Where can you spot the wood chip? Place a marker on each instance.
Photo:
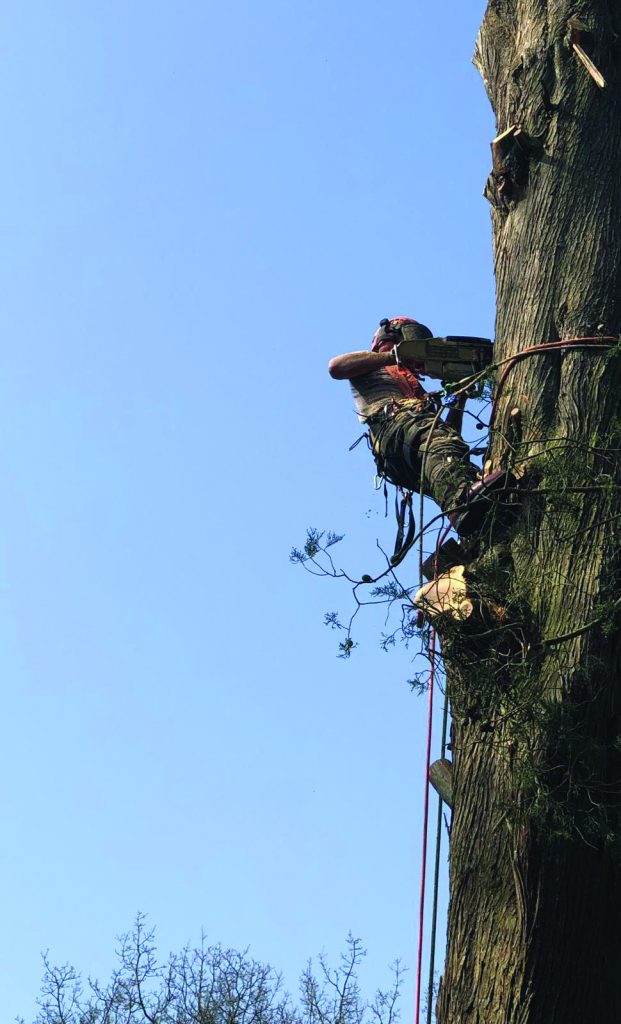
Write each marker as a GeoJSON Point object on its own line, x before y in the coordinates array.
{"type": "Point", "coordinates": [596, 75]}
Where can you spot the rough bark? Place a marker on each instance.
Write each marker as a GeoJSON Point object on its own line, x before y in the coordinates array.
{"type": "Point", "coordinates": [535, 913]}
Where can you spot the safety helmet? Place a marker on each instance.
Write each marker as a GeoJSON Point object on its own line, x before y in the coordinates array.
{"type": "Point", "coordinates": [389, 331]}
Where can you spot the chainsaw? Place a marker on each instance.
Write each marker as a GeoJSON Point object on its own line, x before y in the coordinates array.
{"type": "Point", "coordinates": [448, 359]}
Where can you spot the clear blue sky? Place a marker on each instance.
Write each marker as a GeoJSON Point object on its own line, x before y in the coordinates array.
{"type": "Point", "coordinates": [200, 204]}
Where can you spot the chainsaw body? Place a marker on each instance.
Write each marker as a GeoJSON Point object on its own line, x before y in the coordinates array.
{"type": "Point", "coordinates": [449, 359]}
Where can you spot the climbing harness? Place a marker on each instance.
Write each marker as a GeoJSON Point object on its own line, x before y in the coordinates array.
{"type": "Point", "coordinates": [380, 422]}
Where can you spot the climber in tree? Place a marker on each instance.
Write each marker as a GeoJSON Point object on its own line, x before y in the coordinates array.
{"type": "Point", "coordinates": [410, 441]}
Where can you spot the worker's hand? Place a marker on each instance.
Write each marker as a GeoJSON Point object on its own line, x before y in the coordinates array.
{"type": "Point", "coordinates": [411, 364]}
{"type": "Point", "coordinates": [389, 346]}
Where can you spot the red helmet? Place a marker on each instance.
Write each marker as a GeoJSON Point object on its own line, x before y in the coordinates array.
{"type": "Point", "coordinates": [387, 333]}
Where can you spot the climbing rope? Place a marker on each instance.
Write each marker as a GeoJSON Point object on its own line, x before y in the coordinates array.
{"type": "Point", "coordinates": [438, 844]}
{"type": "Point", "coordinates": [547, 346]}
{"type": "Point", "coordinates": [423, 873]}
{"type": "Point", "coordinates": [436, 874]}
{"type": "Point", "coordinates": [436, 880]}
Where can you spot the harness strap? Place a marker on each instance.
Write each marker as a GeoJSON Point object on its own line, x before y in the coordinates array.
{"type": "Point", "coordinates": [400, 517]}
{"type": "Point", "coordinates": [402, 546]}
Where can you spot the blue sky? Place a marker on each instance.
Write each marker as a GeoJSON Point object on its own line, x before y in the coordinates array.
{"type": "Point", "coordinates": [200, 205]}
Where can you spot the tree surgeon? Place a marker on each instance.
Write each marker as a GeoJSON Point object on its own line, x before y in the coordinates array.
{"type": "Point", "coordinates": [413, 447]}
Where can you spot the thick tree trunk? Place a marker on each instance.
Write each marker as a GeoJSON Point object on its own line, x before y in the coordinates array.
{"type": "Point", "coordinates": [535, 912]}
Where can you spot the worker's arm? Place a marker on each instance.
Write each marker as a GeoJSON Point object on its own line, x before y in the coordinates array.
{"type": "Point", "coordinates": [455, 415]}
{"type": "Point", "coordinates": [356, 364]}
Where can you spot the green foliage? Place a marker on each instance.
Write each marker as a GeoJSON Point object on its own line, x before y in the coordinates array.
{"type": "Point", "coordinates": [315, 557]}
{"type": "Point", "coordinates": [564, 788]}
{"type": "Point", "coordinates": [346, 647]}
{"type": "Point", "coordinates": [332, 619]}
{"type": "Point", "coordinates": [608, 615]}
{"type": "Point", "coordinates": [392, 590]}
{"type": "Point", "coordinates": [559, 471]}
{"type": "Point", "coordinates": [419, 683]}
{"type": "Point", "coordinates": [314, 545]}
{"type": "Point", "coordinates": [613, 355]}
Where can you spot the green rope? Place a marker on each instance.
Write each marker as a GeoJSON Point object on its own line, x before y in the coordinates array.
{"type": "Point", "coordinates": [436, 878]}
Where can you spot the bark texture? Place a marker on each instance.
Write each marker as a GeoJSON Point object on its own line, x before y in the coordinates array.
{"type": "Point", "coordinates": [535, 911]}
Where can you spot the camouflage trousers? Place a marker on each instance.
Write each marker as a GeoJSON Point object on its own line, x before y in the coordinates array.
{"type": "Point", "coordinates": [414, 444]}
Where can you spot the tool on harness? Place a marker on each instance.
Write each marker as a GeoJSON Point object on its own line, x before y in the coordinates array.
{"type": "Point", "coordinates": [404, 538]}
{"type": "Point", "coordinates": [379, 422]}
{"type": "Point", "coordinates": [400, 517]}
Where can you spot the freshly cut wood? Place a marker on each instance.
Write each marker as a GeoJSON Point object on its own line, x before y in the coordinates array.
{"type": "Point", "coordinates": [446, 595]}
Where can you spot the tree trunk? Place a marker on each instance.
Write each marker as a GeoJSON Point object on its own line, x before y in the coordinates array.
{"type": "Point", "coordinates": [535, 865]}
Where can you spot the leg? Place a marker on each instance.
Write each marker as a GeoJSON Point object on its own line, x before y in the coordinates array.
{"type": "Point", "coordinates": [417, 448]}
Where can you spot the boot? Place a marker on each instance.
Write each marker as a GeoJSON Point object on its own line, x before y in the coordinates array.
{"type": "Point", "coordinates": [484, 497]}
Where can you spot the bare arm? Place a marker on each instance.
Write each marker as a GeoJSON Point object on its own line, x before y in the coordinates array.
{"type": "Point", "coordinates": [355, 364]}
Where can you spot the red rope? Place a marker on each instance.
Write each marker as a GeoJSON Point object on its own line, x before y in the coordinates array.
{"type": "Point", "coordinates": [423, 872]}
{"type": "Point", "coordinates": [546, 346]}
